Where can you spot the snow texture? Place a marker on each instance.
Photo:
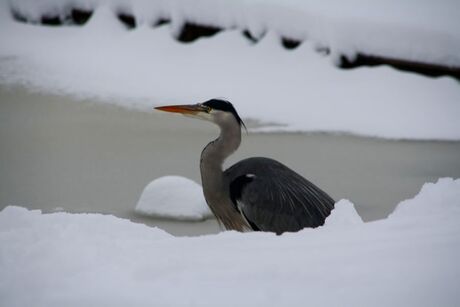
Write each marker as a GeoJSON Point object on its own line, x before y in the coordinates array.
{"type": "Point", "coordinates": [343, 215]}
{"type": "Point", "coordinates": [173, 197]}
{"type": "Point", "coordinates": [432, 193]}
{"type": "Point", "coordinates": [408, 259]}
{"type": "Point", "coordinates": [300, 89]}
{"type": "Point", "coordinates": [425, 31]}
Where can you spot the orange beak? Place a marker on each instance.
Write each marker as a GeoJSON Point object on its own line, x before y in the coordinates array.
{"type": "Point", "coordinates": [184, 109]}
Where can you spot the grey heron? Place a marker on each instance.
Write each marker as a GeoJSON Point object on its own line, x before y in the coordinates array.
{"type": "Point", "coordinates": [258, 194]}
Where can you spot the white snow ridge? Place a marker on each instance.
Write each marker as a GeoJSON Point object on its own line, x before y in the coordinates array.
{"type": "Point", "coordinates": [408, 259]}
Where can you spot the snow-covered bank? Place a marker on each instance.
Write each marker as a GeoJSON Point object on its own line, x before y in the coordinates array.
{"type": "Point", "coordinates": [300, 88]}
{"type": "Point", "coordinates": [420, 31]}
{"type": "Point", "coordinates": [409, 259]}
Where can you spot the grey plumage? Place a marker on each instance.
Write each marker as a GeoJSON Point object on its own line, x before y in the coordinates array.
{"type": "Point", "coordinates": [275, 198]}
{"type": "Point", "coordinates": [257, 193]}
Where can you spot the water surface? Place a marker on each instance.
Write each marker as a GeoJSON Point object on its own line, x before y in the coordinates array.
{"type": "Point", "coordinates": [81, 156]}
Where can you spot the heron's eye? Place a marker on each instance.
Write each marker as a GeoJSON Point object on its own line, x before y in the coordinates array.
{"type": "Point", "coordinates": [208, 109]}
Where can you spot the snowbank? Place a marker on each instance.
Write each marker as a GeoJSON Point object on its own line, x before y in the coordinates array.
{"type": "Point", "coordinates": [445, 194]}
{"type": "Point", "coordinates": [421, 31]}
{"type": "Point", "coordinates": [64, 259]}
{"type": "Point", "coordinates": [173, 197]}
{"type": "Point", "coordinates": [300, 89]}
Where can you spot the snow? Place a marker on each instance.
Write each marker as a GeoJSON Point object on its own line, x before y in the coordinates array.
{"type": "Point", "coordinates": [425, 31]}
{"type": "Point", "coordinates": [448, 203]}
{"type": "Point", "coordinates": [300, 89]}
{"type": "Point", "coordinates": [408, 259]}
{"type": "Point", "coordinates": [343, 215]}
{"type": "Point", "coordinates": [173, 197]}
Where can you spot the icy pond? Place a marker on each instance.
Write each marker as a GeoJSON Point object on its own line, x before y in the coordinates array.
{"type": "Point", "coordinates": [58, 153]}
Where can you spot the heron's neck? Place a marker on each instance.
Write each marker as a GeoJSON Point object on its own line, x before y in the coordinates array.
{"type": "Point", "coordinates": [215, 153]}
{"type": "Point", "coordinates": [215, 188]}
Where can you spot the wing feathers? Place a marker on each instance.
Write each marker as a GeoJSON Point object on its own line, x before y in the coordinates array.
{"type": "Point", "coordinates": [272, 197]}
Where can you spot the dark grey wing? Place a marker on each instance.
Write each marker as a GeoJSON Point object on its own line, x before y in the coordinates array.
{"type": "Point", "coordinates": [272, 197]}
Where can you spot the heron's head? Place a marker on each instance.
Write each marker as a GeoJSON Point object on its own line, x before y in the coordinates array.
{"type": "Point", "coordinates": [217, 111]}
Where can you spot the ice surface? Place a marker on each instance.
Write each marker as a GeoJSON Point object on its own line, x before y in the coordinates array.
{"type": "Point", "coordinates": [173, 197]}
{"type": "Point", "coordinates": [408, 259]}
{"type": "Point", "coordinates": [301, 88]}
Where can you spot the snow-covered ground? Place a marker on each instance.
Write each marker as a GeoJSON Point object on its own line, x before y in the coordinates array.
{"type": "Point", "coordinates": [408, 259]}
{"type": "Point", "coordinates": [301, 89]}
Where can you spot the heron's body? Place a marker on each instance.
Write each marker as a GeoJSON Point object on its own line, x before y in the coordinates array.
{"type": "Point", "coordinates": [274, 198]}
{"type": "Point", "coordinates": [256, 193]}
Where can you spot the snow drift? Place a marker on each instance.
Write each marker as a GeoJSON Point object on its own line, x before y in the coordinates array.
{"type": "Point", "coordinates": [409, 259]}
{"type": "Point", "coordinates": [299, 89]}
{"type": "Point", "coordinates": [421, 31]}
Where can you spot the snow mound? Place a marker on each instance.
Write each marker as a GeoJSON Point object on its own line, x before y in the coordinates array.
{"type": "Point", "coordinates": [440, 198]}
{"type": "Point", "coordinates": [62, 259]}
{"type": "Point", "coordinates": [173, 197]}
{"type": "Point", "coordinates": [343, 215]}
